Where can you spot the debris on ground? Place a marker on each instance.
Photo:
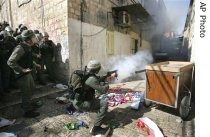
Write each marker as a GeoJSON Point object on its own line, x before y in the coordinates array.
{"type": "Point", "coordinates": [6, 122]}
{"type": "Point", "coordinates": [5, 134]}
{"type": "Point", "coordinates": [148, 127]}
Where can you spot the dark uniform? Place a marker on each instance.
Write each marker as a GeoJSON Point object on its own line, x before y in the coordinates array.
{"type": "Point", "coordinates": [38, 72]}
{"type": "Point", "coordinates": [6, 48]}
{"type": "Point", "coordinates": [1, 53]}
{"type": "Point", "coordinates": [18, 39]}
{"type": "Point", "coordinates": [47, 49]}
{"type": "Point", "coordinates": [9, 44]}
{"type": "Point", "coordinates": [1, 62]}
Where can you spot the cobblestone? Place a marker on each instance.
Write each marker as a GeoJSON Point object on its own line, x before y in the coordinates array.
{"type": "Point", "coordinates": [53, 118]}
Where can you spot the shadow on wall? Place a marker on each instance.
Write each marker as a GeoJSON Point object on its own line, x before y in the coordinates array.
{"type": "Point", "coordinates": [61, 68]}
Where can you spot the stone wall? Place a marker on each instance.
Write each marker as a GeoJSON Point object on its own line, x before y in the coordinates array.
{"type": "Point", "coordinates": [94, 11]}
{"type": "Point", "coordinates": [95, 46]}
{"type": "Point", "coordinates": [189, 32]}
{"type": "Point", "coordinates": [61, 19]}
{"type": "Point", "coordinates": [97, 22]}
{"type": "Point", "coordinates": [44, 15]}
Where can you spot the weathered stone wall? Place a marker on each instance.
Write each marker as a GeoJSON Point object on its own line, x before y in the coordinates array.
{"type": "Point", "coordinates": [5, 11]}
{"type": "Point", "coordinates": [44, 15]}
{"type": "Point", "coordinates": [94, 11]}
{"type": "Point", "coordinates": [61, 19]}
{"type": "Point", "coordinates": [97, 20]}
{"type": "Point", "coordinates": [95, 46]}
{"type": "Point", "coordinates": [189, 33]}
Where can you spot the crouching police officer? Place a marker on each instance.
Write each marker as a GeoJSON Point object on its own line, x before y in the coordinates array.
{"type": "Point", "coordinates": [22, 63]}
{"type": "Point", "coordinates": [88, 101]}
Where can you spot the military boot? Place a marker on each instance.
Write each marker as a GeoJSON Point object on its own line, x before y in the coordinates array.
{"type": "Point", "coordinates": [96, 130]}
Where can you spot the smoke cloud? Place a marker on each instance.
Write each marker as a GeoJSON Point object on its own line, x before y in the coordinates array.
{"type": "Point", "coordinates": [127, 65]}
{"type": "Point", "coordinates": [176, 15]}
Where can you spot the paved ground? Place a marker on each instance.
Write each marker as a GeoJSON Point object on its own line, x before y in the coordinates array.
{"type": "Point", "coordinates": [53, 118]}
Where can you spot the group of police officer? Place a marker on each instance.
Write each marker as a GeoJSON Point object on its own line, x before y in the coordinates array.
{"type": "Point", "coordinates": [24, 50]}
{"type": "Point", "coordinates": [24, 55]}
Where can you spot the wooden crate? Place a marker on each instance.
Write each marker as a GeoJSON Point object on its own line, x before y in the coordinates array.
{"type": "Point", "coordinates": [166, 81]}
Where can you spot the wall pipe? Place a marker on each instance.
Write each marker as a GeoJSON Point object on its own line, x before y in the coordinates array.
{"type": "Point", "coordinates": [81, 33]}
{"type": "Point", "coordinates": [10, 14]}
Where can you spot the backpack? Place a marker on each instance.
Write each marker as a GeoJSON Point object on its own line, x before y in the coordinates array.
{"type": "Point", "coordinates": [76, 84]}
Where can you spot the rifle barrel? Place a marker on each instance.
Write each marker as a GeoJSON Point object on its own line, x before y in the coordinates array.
{"type": "Point", "coordinates": [140, 71]}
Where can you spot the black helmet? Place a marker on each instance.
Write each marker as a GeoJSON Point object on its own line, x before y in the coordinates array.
{"type": "Point", "coordinates": [22, 28]}
{"type": "Point", "coordinates": [27, 35]}
{"type": "Point", "coordinates": [19, 26]}
{"type": "Point", "coordinates": [36, 31]}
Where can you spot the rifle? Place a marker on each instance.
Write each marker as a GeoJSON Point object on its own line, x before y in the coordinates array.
{"type": "Point", "coordinates": [109, 73]}
{"type": "Point", "coordinates": [140, 71]}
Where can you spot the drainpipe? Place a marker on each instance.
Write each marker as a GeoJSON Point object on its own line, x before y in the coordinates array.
{"type": "Point", "coordinates": [140, 39]}
{"type": "Point", "coordinates": [10, 14]}
{"type": "Point", "coordinates": [42, 16]}
{"type": "Point", "coordinates": [81, 38]}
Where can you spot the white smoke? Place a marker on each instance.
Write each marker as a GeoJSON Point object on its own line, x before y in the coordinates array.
{"type": "Point", "coordinates": [176, 15]}
{"type": "Point", "coordinates": [127, 65]}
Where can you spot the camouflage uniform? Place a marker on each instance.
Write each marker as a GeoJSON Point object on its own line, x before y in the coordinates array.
{"type": "Point", "coordinates": [89, 101]}
{"type": "Point", "coordinates": [21, 58]}
{"type": "Point", "coordinates": [92, 103]}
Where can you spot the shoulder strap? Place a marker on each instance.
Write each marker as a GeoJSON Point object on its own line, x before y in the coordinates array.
{"type": "Point", "coordinates": [69, 82]}
{"type": "Point", "coordinates": [80, 73]}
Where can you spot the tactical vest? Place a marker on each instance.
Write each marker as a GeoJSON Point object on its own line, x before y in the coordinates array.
{"type": "Point", "coordinates": [80, 90]}
{"type": "Point", "coordinates": [89, 93]}
{"type": "Point", "coordinates": [26, 60]}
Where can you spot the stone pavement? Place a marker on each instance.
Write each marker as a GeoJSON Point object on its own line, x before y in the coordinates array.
{"type": "Point", "coordinates": [53, 118]}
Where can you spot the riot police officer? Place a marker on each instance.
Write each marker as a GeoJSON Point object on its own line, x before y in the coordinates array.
{"type": "Point", "coordinates": [22, 63]}
{"type": "Point", "coordinates": [47, 49]}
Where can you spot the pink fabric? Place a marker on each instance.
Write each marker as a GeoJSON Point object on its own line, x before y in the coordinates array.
{"type": "Point", "coordinates": [143, 127]}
